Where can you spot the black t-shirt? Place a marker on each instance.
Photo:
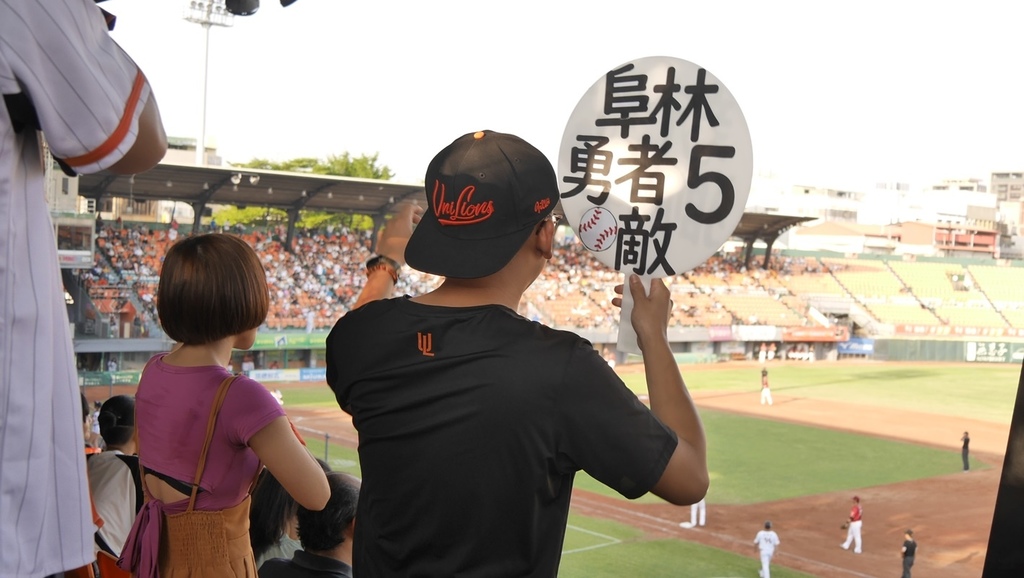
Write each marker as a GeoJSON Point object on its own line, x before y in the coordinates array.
{"type": "Point", "coordinates": [911, 548]}
{"type": "Point", "coordinates": [472, 423]}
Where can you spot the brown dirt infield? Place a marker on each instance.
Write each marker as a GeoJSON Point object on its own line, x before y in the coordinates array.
{"type": "Point", "coordinates": [951, 515]}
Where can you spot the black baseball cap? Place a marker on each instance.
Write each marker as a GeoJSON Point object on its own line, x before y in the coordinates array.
{"type": "Point", "coordinates": [485, 194]}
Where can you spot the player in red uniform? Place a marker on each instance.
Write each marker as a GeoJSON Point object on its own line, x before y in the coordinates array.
{"type": "Point", "coordinates": [853, 527]}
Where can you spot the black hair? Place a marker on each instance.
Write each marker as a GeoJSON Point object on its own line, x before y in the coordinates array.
{"type": "Point", "coordinates": [270, 510]}
{"type": "Point", "coordinates": [117, 420]}
{"type": "Point", "coordinates": [324, 530]}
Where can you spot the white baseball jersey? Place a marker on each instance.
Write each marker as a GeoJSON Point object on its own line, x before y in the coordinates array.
{"type": "Point", "coordinates": [766, 541]}
{"type": "Point", "coordinates": [88, 96]}
{"type": "Point", "coordinates": [113, 495]}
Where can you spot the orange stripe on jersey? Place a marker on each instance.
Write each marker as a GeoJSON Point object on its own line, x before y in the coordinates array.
{"type": "Point", "coordinates": [115, 138]}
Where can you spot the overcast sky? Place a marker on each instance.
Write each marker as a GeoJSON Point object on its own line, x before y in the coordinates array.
{"type": "Point", "coordinates": [834, 93]}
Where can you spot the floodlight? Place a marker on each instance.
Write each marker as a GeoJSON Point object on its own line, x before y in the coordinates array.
{"type": "Point", "coordinates": [242, 7]}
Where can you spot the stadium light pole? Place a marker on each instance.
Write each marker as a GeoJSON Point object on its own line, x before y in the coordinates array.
{"type": "Point", "coordinates": [206, 13]}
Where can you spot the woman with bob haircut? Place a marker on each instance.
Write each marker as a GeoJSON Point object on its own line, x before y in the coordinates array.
{"type": "Point", "coordinates": [204, 434]}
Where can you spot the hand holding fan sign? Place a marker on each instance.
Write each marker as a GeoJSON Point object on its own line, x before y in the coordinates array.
{"type": "Point", "coordinates": [656, 161]}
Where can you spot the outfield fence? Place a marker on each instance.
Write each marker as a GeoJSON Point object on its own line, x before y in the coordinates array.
{"type": "Point", "coordinates": [310, 433]}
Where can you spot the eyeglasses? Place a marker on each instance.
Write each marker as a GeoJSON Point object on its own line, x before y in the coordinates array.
{"type": "Point", "coordinates": [555, 219]}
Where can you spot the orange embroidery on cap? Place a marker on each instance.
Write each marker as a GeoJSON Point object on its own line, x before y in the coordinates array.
{"type": "Point", "coordinates": [541, 205]}
{"type": "Point", "coordinates": [461, 211]}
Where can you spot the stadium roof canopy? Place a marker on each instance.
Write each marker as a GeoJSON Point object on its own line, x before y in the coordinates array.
{"type": "Point", "coordinates": [761, 226]}
{"type": "Point", "coordinates": [201, 186]}
{"type": "Point", "coordinates": [292, 192]}
{"type": "Point", "coordinates": [754, 226]}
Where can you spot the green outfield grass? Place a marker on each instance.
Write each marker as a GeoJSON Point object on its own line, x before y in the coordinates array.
{"type": "Point", "coordinates": [340, 458]}
{"type": "Point", "coordinates": [981, 391]}
{"type": "Point", "coordinates": [754, 460]}
{"type": "Point", "coordinates": [596, 548]}
{"type": "Point", "coordinates": [311, 395]}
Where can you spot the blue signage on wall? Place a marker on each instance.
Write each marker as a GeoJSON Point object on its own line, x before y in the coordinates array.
{"type": "Point", "coordinates": [857, 346]}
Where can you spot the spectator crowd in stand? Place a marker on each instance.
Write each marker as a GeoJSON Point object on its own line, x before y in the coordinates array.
{"type": "Point", "coordinates": [319, 279]}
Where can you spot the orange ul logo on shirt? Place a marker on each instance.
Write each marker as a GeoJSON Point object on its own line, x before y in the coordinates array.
{"type": "Point", "coordinates": [425, 343]}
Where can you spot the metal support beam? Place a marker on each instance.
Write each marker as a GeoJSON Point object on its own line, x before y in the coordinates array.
{"type": "Point", "coordinates": [303, 201]}
{"type": "Point", "coordinates": [199, 205]}
{"type": "Point", "coordinates": [768, 250]}
{"type": "Point", "coordinates": [293, 217]}
{"type": "Point", "coordinates": [750, 251]}
{"type": "Point", "coordinates": [197, 224]}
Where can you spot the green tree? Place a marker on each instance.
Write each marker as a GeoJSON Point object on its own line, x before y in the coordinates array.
{"type": "Point", "coordinates": [343, 165]}
{"type": "Point", "coordinates": [251, 216]}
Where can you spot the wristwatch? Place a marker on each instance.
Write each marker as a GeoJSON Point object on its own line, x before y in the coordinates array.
{"type": "Point", "coordinates": [386, 263]}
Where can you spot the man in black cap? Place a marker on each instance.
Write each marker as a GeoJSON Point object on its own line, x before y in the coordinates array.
{"type": "Point", "coordinates": [472, 419]}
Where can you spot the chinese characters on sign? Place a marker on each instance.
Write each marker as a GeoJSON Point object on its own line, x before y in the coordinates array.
{"type": "Point", "coordinates": [993, 352]}
{"type": "Point", "coordinates": [661, 144]}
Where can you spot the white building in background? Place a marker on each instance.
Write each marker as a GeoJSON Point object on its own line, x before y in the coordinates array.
{"type": "Point", "coordinates": [772, 195]}
{"type": "Point", "coordinates": [888, 203]}
{"type": "Point", "coordinates": [958, 201]}
{"type": "Point", "coordinates": [951, 214]}
{"type": "Point", "coordinates": [1008, 187]}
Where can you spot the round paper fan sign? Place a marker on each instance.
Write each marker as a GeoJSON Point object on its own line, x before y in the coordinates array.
{"type": "Point", "coordinates": [655, 166]}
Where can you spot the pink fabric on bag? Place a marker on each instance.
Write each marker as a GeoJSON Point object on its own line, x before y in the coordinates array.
{"type": "Point", "coordinates": [141, 556]}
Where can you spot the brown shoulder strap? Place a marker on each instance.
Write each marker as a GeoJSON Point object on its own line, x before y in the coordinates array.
{"type": "Point", "coordinates": [218, 401]}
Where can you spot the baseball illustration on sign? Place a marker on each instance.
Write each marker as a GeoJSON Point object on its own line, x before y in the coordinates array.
{"type": "Point", "coordinates": [657, 154]}
{"type": "Point", "coordinates": [598, 229]}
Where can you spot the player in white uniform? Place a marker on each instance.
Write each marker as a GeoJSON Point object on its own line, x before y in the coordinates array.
{"type": "Point", "coordinates": [59, 72]}
{"type": "Point", "coordinates": [767, 541]}
{"type": "Point", "coordinates": [766, 390]}
{"type": "Point", "coordinates": [700, 509]}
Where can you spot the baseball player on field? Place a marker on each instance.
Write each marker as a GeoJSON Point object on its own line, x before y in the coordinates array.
{"type": "Point", "coordinates": [766, 391]}
{"type": "Point", "coordinates": [699, 509]}
{"type": "Point", "coordinates": [852, 526]}
{"type": "Point", "coordinates": [767, 541]}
